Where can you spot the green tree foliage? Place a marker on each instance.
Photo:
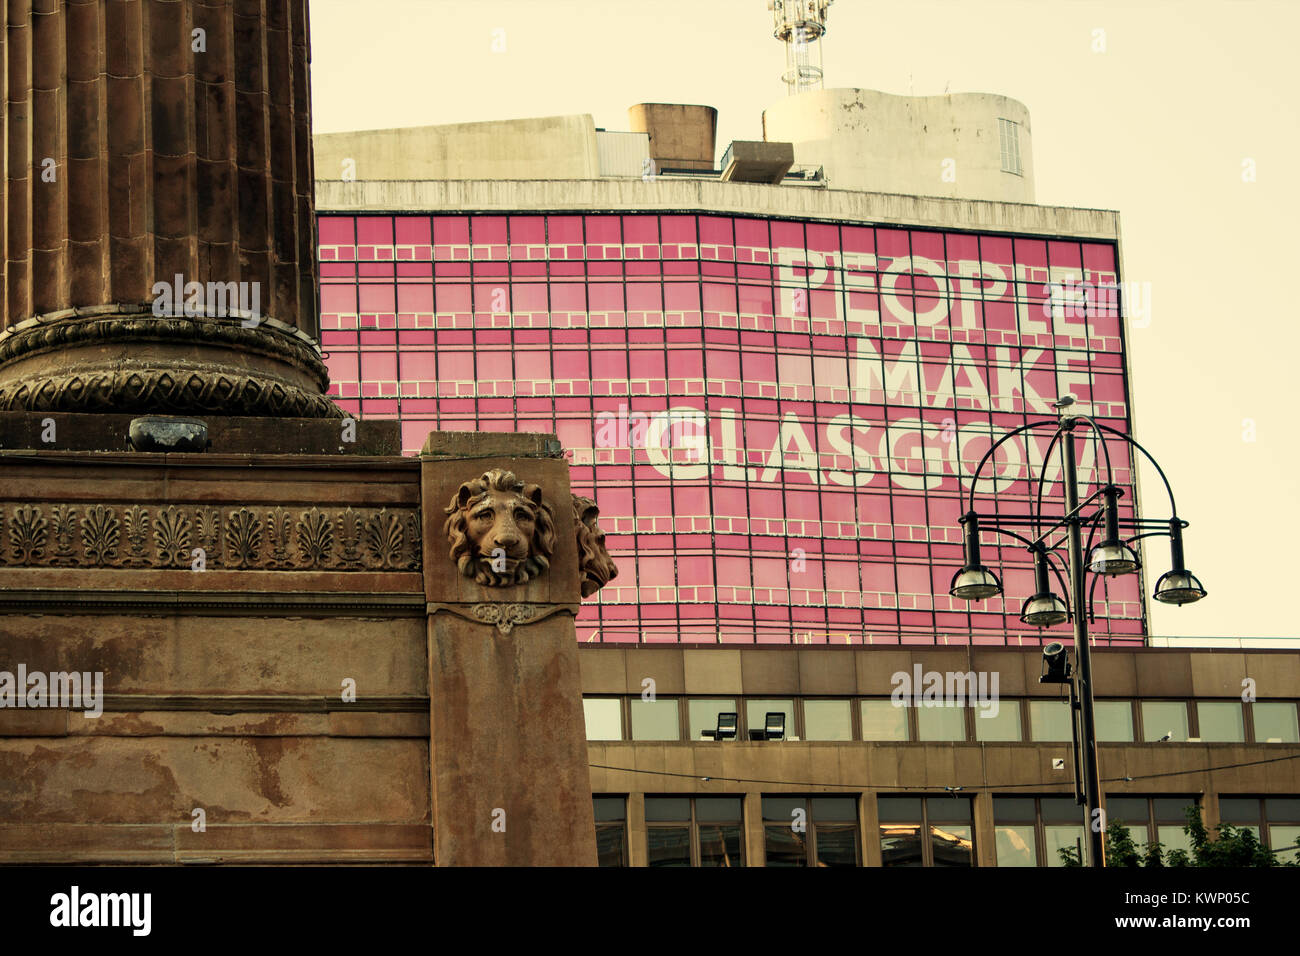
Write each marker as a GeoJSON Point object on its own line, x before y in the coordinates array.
{"type": "Point", "coordinates": [1232, 846]}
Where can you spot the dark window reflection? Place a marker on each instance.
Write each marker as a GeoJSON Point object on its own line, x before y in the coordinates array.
{"type": "Point", "coordinates": [720, 845]}
{"type": "Point", "coordinates": [900, 844]}
{"type": "Point", "coordinates": [785, 847]}
{"type": "Point", "coordinates": [609, 845]}
{"type": "Point", "coordinates": [952, 846]}
{"type": "Point", "coordinates": [837, 845]}
{"type": "Point", "coordinates": [669, 846]}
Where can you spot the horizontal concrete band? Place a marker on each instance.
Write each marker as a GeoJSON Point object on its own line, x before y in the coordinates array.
{"type": "Point", "coordinates": [254, 704]}
{"type": "Point", "coordinates": [391, 719]}
{"type": "Point", "coordinates": [220, 843]}
{"type": "Point", "coordinates": [831, 670]}
{"type": "Point", "coordinates": [332, 468]}
{"type": "Point", "coordinates": [712, 198]}
{"type": "Point", "coordinates": [269, 603]}
{"type": "Point", "coordinates": [1007, 769]}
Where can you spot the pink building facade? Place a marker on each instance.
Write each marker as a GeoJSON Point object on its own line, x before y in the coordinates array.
{"type": "Point", "coordinates": [779, 418]}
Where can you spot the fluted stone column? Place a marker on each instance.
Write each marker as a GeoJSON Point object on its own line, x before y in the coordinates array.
{"type": "Point", "coordinates": [149, 140]}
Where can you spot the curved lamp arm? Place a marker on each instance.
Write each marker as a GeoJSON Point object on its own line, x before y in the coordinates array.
{"type": "Point", "coordinates": [1173, 508]}
{"type": "Point", "coordinates": [994, 447]}
{"type": "Point", "coordinates": [1101, 440]}
{"type": "Point", "coordinates": [1049, 553]}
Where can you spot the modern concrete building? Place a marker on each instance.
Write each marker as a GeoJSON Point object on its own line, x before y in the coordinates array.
{"type": "Point", "coordinates": [745, 322]}
{"type": "Point", "coordinates": [977, 784]}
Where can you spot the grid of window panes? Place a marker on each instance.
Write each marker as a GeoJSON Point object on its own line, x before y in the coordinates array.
{"type": "Point", "coordinates": [1031, 831]}
{"type": "Point", "coordinates": [1275, 821]}
{"type": "Point", "coordinates": [886, 719]}
{"type": "Point", "coordinates": [810, 831]}
{"type": "Point", "coordinates": [694, 831]}
{"type": "Point", "coordinates": [1153, 820]}
{"type": "Point", "coordinates": [611, 830]}
{"type": "Point", "coordinates": [777, 418]}
{"type": "Point", "coordinates": [926, 831]}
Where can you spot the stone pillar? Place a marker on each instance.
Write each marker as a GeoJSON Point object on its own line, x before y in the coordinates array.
{"type": "Point", "coordinates": [984, 830]}
{"type": "Point", "coordinates": [508, 747]}
{"type": "Point", "coordinates": [146, 140]}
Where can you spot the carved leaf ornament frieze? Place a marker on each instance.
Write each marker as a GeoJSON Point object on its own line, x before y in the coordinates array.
{"type": "Point", "coordinates": [229, 538]}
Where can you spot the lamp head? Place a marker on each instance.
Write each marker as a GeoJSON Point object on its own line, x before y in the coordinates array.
{"type": "Point", "coordinates": [1044, 609]}
{"type": "Point", "coordinates": [973, 582]}
{"type": "Point", "coordinates": [1112, 556]}
{"type": "Point", "coordinates": [1178, 587]}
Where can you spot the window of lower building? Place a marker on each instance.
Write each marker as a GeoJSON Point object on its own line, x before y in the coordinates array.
{"type": "Point", "coordinates": [1114, 721]}
{"type": "Point", "coordinates": [703, 715]}
{"type": "Point", "coordinates": [1153, 819]}
{"type": "Point", "coordinates": [1275, 722]}
{"type": "Point", "coordinates": [694, 831]}
{"type": "Point", "coordinates": [999, 720]}
{"type": "Point", "coordinates": [1049, 720]}
{"type": "Point", "coordinates": [1221, 721]}
{"type": "Point", "coordinates": [604, 717]}
{"type": "Point", "coordinates": [611, 830]}
{"type": "Point", "coordinates": [940, 722]}
{"type": "Point", "coordinates": [1275, 821]}
{"type": "Point", "coordinates": [884, 720]}
{"type": "Point", "coordinates": [1015, 831]}
{"type": "Point", "coordinates": [1031, 831]}
{"type": "Point", "coordinates": [657, 719]}
{"type": "Point", "coordinates": [827, 720]}
{"type": "Point", "coordinates": [810, 831]}
{"type": "Point", "coordinates": [926, 831]}
{"type": "Point", "coordinates": [1241, 812]}
{"type": "Point", "coordinates": [1161, 718]}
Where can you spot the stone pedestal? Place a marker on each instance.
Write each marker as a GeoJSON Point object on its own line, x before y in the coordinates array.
{"type": "Point", "coordinates": [286, 645]}
{"type": "Point", "coordinates": [508, 752]}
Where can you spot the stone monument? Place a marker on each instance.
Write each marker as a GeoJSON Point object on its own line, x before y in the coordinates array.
{"type": "Point", "coordinates": [307, 648]}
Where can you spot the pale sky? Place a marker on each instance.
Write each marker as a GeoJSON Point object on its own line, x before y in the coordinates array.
{"type": "Point", "coordinates": [1158, 126]}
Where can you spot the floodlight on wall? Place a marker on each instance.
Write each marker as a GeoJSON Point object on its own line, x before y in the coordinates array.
{"type": "Point", "coordinates": [1056, 664]}
{"type": "Point", "coordinates": [774, 725]}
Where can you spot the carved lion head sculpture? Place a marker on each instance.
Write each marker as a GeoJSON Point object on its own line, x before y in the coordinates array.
{"type": "Point", "coordinates": [595, 567]}
{"type": "Point", "coordinates": [500, 529]}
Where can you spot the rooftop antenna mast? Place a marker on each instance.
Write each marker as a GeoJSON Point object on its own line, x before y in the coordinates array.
{"type": "Point", "coordinates": [799, 24]}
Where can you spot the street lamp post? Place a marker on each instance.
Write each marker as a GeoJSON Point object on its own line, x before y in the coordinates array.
{"type": "Point", "coordinates": [1113, 556]}
{"type": "Point", "coordinates": [1087, 742]}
